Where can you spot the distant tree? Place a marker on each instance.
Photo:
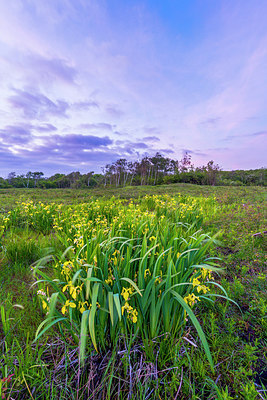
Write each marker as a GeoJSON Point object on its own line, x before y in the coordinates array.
{"type": "Point", "coordinates": [28, 177]}
{"type": "Point", "coordinates": [11, 177]}
{"type": "Point", "coordinates": [4, 183]}
{"type": "Point", "coordinates": [74, 179]}
{"type": "Point", "coordinates": [185, 163]}
{"type": "Point", "coordinates": [211, 170]}
{"type": "Point", "coordinates": [36, 177]}
{"type": "Point", "coordinates": [88, 177]}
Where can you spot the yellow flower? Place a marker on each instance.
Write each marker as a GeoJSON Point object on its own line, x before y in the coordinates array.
{"type": "Point", "coordinates": [131, 313]}
{"type": "Point", "coordinates": [191, 299]}
{"type": "Point", "coordinates": [82, 306]}
{"type": "Point", "coordinates": [134, 316]}
{"type": "Point", "coordinates": [204, 288]}
{"type": "Point", "coordinates": [45, 305]}
{"type": "Point", "coordinates": [74, 290]}
{"type": "Point", "coordinates": [195, 282]}
{"type": "Point", "coordinates": [147, 272]}
{"type": "Point", "coordinates": [206, 272]}
{"type": "Point", "coordinates": [126, 292]}
{"type": "Point", "coordinates": [66, 286]}
{"type": "Point", "coordinates": [126, 307]}
{"type": "Point", "coordinates": [67, 304]}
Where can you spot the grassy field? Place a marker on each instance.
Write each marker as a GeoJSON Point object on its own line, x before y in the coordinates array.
{"type": "Point", "coordinates": [139, 293]}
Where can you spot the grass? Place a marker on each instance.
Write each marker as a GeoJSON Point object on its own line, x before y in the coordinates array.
{"type": "Point", "coordinates": [162, 365]}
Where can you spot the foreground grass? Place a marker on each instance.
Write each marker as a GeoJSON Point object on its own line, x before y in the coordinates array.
{"type": "Point", "coordinates": [226, 195]}
{"type": "Point", "coordinates": [167, 367]}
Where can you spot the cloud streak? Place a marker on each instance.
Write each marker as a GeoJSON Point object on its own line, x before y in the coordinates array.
{"type": "Point", "coordinates": [261, 134]}
{"type": "Point", "coordinates": [34, 105]}
{"type": "Point", "coordinates": [51, 68]}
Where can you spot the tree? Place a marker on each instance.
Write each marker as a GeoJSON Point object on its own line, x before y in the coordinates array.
{"type": "Point", "coordinates": [36, 177]}
{"type": "Point", "coordinates": [11, 177]}
{"type": "Point", "coordinates": [185, 163]}
{"type": "Point", "coordinates": [212, 171]}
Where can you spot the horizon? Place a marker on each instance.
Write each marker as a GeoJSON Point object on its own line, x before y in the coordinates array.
{"type": "Point", "coordinates": [86, 83]}
{"type": "Point", "coordinates": [103, 174]}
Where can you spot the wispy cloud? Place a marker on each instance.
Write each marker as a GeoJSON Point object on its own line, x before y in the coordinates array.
{"type": "Point", "coordinates": [85, 105]}
{"type": "Point", "coordinates": [45, 128]}
{"type": "Point", "coordinates": [51, 68]}
{"type": "Point", "coordinates": [16, 134]}
{"type": "Point", "coordinates": [102, 126]}
{"type": "Point", "coordinates": [35, 105]}
{"type": "Point", "coordinates": [211, 121]}
{"type": "Point", "coordinates": [114, 111]}
{"type": "Point", "coordinates": [151, 139]}
{"type": "Point", "coordinates": [194, 152]}
{"type": "Point", "coordinates": [245, 135]}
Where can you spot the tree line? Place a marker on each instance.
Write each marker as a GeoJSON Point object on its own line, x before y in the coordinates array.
{"type": "Point", "coordinates": [155, 170]}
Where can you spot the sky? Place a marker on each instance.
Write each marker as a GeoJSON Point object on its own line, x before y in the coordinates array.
{"type": "Point", "coordinates": [86, 82]}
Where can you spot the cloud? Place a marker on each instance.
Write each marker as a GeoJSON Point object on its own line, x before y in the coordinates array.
{"type": "Point", "coordinates": [194, 152]}
{"type": "Point", "coordinates": [139, 145]}
{"type": "Point", "coordinates": [260, 133]}
{"type": "Point", "coordinates": [35, 105]}
{"type": "Point", "coordinates": [245, 135]}
{"type": "Point", "coordinates": [219, 149]}
{"type": "Point", "coordinates": [74, 142]}
{"type": "Point", "coordinates": [54, 161]}
{"type": "Point", "coordinates": [85, 105]}
{"type": "Point", "coordinates": [151, 139]}
{"type": "Point", "coordinates": [98, 126]}
{"type": "Point", "coordinates": [211, 121]}
{"type": "Point", "coordinates": [8, 157]}
{"type": "Point", "coordinates": [151, 130]}
{"type": "Point", "coordinates": [51, 68]}
{"type": "Point", "coordinates": [129, 144]}
{"type": "Point", "coordinates": [118, 133]}
{"type": "Point", "coordinates": [65, 152]}
{"type": "Point", "coordinates": [16, 134]}
{"type": "Point", "coordinates": [114, 110]}
{"type": "Point", "coordinates": [45, 128]}
{"type": "Point", "coordinates": [167, 151]}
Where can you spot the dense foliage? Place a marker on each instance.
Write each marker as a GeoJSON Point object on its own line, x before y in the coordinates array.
{"type": "Point", "coordinates": [155, 170]}
{"type": "Point", "coordinates": [119, 295]}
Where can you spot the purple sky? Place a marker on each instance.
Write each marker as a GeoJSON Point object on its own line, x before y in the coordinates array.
{"type": "Point", "coordinates": [86, 82]}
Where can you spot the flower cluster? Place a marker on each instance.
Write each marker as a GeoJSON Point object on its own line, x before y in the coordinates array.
{"type": "Point", "coordinates": [131, 312]}
{"type": "Point", "coordinates": [126, 293]}
{"type": "Point", "coordinates": [130, 260]}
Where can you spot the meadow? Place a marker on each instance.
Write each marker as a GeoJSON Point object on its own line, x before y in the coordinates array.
{"type": "Point", "coordinates": [149, 292]}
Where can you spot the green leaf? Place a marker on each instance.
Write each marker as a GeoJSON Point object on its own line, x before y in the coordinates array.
{"type": "Point", "coordinates": [133, 284]}
{"type": "Point", "coordinates": [88, 284]}
{"type": "Point", "coordinates": [111, 308]}
{"type": "Point", "coordinates": [196, 325]}
{"type": "Point", "coordinates": [52, 304]}
{"type": "Point", "coordinates": [83, 335]}
{"type": "Point", "coordinates": [93, 313]}
{"type": "Point", "coordinates": [76, 276]}
{"type": "Point", "coordinates": [117, 304]}
{"type": "Point", "coordinates": [55, 321]}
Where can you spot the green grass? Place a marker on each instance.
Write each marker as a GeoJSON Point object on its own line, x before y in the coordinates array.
{"type": "Point", "coordinates": [162, 368]}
